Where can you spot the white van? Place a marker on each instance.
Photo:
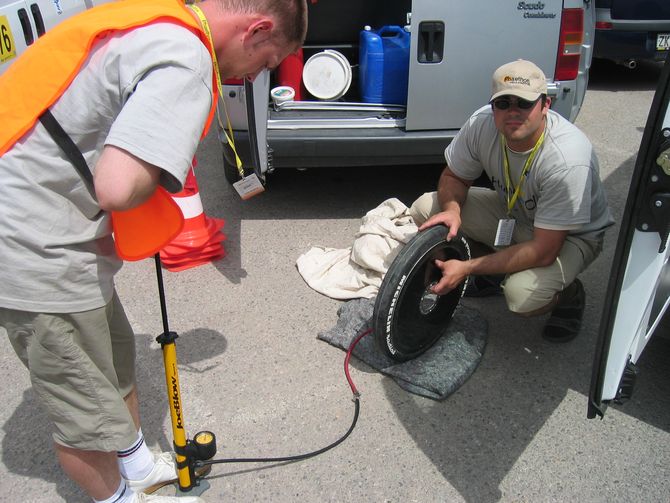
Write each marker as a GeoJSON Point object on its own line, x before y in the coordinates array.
{"type": "Point", "coordinates": [454, 47]}
{"type": "Point", "coordinates": [23, 21]}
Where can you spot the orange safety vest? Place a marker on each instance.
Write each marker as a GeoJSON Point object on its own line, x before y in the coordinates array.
{"type": "Point", "coordinates": [39, 77]}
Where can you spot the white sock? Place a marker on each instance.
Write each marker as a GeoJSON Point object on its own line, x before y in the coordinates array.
{"type": "Point", "coordinates": [122, 495]}
{"type": "Point", "coordinates": [135, 462]}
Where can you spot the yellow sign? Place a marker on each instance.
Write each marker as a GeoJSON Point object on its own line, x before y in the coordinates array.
{"type": "Point", "coordinates": [7, 47]}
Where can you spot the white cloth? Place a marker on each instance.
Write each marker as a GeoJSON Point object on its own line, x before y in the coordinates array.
{"type": "Point", "coordinates": [358, 271]}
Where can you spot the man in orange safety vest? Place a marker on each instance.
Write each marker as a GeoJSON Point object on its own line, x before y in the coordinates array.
{"type": "Point", "coordinates": [99, 116]}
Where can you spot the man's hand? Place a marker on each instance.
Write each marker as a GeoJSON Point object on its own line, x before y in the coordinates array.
{"type": "Point", "coordinates": [452, 219]}
{"type": "Point", "coordinates": [454, 273]}
{"type": "Point", "coordinates": [541, 251]}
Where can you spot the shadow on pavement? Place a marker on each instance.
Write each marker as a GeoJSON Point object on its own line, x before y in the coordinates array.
{"type": "Point", "coordinates": [606, 75]}
{"type": "Point", "coordinates": [477, 435]}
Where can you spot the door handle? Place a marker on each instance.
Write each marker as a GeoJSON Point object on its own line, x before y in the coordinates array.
{"type": "Point", "coordinates": [25, 25]}
{"type": "Point", "coordinates": [431, 42]}
{"type": "Point", "coordinates": [37, 16]}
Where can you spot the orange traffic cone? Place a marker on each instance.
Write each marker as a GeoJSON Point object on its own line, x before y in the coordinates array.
{"type": "Point", "coordinates": [200, 240]}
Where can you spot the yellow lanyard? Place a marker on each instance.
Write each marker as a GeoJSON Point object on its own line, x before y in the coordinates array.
{"type": "Point", "coordinates": [229, 135]}
{"type": "Point", "coordinates": [511, 201]}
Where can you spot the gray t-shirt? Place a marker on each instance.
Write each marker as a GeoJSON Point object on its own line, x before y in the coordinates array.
{"type": "Point", "coordinates": [562, 190]}
{"type": "Point", "coordinates": [147, 91]}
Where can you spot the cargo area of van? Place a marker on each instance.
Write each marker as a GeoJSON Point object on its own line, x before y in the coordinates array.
{"type": "Point", "coordinates": [343, 60]}
{"type": "Point", "coordinates": [391, 83]}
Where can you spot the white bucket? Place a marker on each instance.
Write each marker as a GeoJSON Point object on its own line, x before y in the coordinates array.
{"type": "Point", "coordinates": [327, 75]}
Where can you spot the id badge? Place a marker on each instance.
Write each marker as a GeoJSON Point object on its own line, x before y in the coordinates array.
{"type": "Point", "coordinates": [248, 186]}
{"type": "Point", "coordinates": [504, 232]}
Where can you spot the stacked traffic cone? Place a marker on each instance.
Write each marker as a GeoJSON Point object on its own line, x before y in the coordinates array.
{"type": "Point", "coordinates": [200, 240]}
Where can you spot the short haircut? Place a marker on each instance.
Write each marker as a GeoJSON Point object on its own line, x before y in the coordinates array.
{"type": "Point", "coordinates": [290, 15]}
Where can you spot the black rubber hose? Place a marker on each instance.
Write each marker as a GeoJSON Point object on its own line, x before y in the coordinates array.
{"type": "Point", "coordinates": [297, 457]}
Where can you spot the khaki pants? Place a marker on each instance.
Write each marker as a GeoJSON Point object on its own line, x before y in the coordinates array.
{"type": "Point", "coordinates": [528, 290]}
{"type": "Point", "coordinates": [81, 365]}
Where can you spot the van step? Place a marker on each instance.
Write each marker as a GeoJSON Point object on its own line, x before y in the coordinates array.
{"type": "Point", "coordinates": [338, 105]}
{"type": "Point", "coordinates": [335, 115]}
{"type": "Point", "coordinates": [333, 123]}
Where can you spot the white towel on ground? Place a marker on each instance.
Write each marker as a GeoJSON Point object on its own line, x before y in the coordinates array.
{"type": "Point", "coordinates": [357, 271]}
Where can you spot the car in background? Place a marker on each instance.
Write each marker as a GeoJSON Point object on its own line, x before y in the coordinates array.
{"type": "Point", "coordinates": [629, 31]}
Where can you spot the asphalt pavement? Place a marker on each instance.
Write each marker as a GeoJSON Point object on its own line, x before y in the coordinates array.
{"type": "Point", "coordinates": [253, 371]}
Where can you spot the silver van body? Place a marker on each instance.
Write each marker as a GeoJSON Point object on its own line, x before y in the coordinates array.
{"type": "Point", "coordinates": [24, 21]}
{"type": "Point", "coordinates": [469, 41]}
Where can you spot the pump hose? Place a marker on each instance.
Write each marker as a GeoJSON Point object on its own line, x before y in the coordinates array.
{"type": "Point", "coordinates": [298, 457]}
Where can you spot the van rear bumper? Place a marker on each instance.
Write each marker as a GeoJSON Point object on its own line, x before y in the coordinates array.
{"type": "Point", "coordinates": [315, 148]}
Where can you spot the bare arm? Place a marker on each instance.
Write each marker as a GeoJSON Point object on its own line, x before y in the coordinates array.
{"type": "Point", "coordinates": [123, 181]}
{"type": "Point", "coordinates": [451, 194]}
{"type": "Point", "coordinates": [540, 251]}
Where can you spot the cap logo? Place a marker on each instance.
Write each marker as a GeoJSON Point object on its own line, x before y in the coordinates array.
{"type": "Point", "coordinates": [516, 80]}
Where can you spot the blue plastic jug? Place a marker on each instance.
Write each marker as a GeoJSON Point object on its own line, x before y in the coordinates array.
{"type": "Point", "coordinates": [384, 65]}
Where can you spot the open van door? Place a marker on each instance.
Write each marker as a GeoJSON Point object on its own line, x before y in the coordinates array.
{"type": "Point", "coordinates": [239, 111]}
{"type": "Point", "coordinates": [638, 293]}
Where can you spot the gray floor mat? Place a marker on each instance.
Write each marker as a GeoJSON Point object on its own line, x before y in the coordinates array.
{"type": "Point", "coordinates": [436, 373]}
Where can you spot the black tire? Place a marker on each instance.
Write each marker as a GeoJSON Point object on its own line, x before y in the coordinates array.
{"type": "Point", "coordinates": [408, 318]}
{"type": "Point", "coordinates": [229, 166]}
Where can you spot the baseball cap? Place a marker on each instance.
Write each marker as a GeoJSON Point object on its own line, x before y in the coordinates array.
{"type": "Point", "coordinates": [519, 78]}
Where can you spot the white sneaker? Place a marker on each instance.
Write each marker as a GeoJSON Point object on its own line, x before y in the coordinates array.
{"type": "Point", "coordinates": [163, 473]}
{"type": "Point", "coordinates": [146, 498]}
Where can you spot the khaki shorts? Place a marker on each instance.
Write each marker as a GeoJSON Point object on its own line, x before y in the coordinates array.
{"type": "Point", "coordinates": [528, 290]}
{"type": "Point", "coordinates": [81, 366]}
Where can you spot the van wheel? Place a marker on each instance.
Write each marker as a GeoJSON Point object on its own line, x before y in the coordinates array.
{"type": "Point", "coordinates": [229, 166]}
{"type": "Point", "coordinates": [230, 169]}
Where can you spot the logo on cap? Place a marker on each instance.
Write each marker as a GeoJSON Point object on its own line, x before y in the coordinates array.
{"type": "Point", "coordinates": [516, 80]}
